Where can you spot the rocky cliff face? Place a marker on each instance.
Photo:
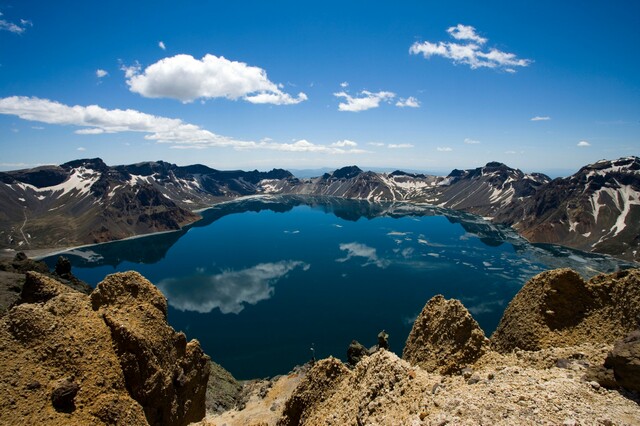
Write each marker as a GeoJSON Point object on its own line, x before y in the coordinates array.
{"type": "Point", "coordinates": [597, 209]}
{"type": "Point", "coordinates": [108, 358]}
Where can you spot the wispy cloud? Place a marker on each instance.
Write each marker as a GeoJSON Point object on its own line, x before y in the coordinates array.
{"type": "Point", "coordinates": [12, 27]}
{"type": "Point", "coordinates": [400, 145]}
{"type": "Point", "coordinates": [161, 45]}
{"type": "Point", "coordinates": [228, 291]}
{"type": "Point", "coordinates": [444, 149]}
{"type": "Point", "coordinates": [101, 73]}
{"type": "Point", "coordinates": [363, 101]}
{"type": "Point", "coordinates": [583, 144]}
{"type": "Point", "coordinates": [344, 84]}
{"type": "Point", "coordinates": [540, 118]}
{"type": "Point", "coordinates": [375, 143]}
{"type": "Point", "coordinates": [81, 148]}
{"type": "Point", "coordinates": [465, 32]}
{"type": "Point", "coordinates": [470, 141]}
{"type": "Point", "coordinates": [186, 79]}
{"type": "Point", "coordinates": [97, 120]}
{"type": "Point", "coordinates": [473, 53]}
{"type": "Point", "coordinates": [344, 143]}
{"type": "Point", "coordinates": [362, 250]}
{"type": "Point", "coordinates": [410, 102]}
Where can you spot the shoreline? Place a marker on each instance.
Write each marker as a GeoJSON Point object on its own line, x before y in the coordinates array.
{"type": "Point", "coordinates": [40, 253]}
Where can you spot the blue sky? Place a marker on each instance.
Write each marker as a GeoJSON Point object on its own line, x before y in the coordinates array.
{"type": "Point", "coordinates": [542, 86]}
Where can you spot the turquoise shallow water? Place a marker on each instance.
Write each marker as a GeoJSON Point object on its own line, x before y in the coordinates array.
{"type": "Point", "coordinates": [259, 282]}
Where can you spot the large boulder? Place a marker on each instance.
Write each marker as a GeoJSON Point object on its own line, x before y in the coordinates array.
{"type": "Point", "coordinates": [164, 373]}
{"type": "Point", "coordinates": [624, 360]}
{"type": "Point", "coordinates": [559, 308]}
{"type": "Point", "coordinates": [445, 338]}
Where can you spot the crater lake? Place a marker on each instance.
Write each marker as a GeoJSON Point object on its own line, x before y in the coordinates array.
{"type": "Point", "coordinates": [261, 281]}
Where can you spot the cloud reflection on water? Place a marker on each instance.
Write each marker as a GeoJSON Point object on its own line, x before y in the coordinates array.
{"type": "Point", "coordinates": [362, 250]}
{"type": "Point", "coordinates": [228, 290]}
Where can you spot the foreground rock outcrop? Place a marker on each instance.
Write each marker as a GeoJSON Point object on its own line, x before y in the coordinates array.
{"type": "Point", "coordinates": [445, 338]}
{"type": "Point", "coordinates": [559, 308]}
{"type": "Point", "coordinates": [12, 277]}
{"type": "Point", "coordinates": [108, 358]}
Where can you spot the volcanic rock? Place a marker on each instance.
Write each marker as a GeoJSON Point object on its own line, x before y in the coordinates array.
{"type": "Point", "coordinates": [319, 384]}
{"type": "Point", "coordinates": [558, 308]}
{"type": "Point", "coordinates": [39, 288]}
{"type": "Point", "coordinates": [223, 390]}
{"type": "Point", "coordinates": [445, 338]}
{"type": "Point", "coordinates": [356, 352]}
{"type": "Point", "coordinates": [624, 360]}
{"type": "Point", "coordinates": [164, 373]}
{"type": "Point", "coordinates": [75, 360]}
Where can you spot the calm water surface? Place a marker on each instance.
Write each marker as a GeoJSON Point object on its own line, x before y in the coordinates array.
{"type": "Point", "coordinates": [259, 281]}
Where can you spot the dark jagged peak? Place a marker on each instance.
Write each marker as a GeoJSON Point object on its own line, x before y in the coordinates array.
{"type": "Point", "coordinates": [40, 177]}
{"type": "Point", "coordinates": [197, 169]}
{"type": "Point", "coordinates": [88, 163]}
{"type": "Point", "coordinates": [621, 165]}
{"type": "Point", "coordinates": [277, 174]}
{"type": "Point", "coordinates": [402, 173]}
{"type": "Point", "coordinates": [495, 165]}
{"type": "Point", "coordinates": [149, 168]}
{"type": "Point", "coordinates": [346, 172]}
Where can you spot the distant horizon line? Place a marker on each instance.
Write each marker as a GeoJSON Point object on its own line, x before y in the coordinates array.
{"type": "Point", "coordinates": [304, 172]}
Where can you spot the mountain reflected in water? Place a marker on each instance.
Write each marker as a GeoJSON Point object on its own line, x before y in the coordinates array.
{"type": "Point", "coordinates": [259, 280]}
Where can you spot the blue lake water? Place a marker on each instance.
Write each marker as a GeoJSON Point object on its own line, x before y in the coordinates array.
{"type": "Point", "coordinates": [260, 281]}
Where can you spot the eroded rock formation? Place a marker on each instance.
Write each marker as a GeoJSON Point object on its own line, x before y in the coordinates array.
{"type": "Point", "coordinates": [559, 308]}
{"type": "Point", "coordinates": [109, 358]}
{"type": "Point", "coordinates": [445, 338]}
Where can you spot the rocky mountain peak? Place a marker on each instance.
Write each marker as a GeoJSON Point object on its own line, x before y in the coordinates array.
{"type": "Point", "coordinates": [88, 163]}
{"type": "Point", "coordinates": [346, 172]}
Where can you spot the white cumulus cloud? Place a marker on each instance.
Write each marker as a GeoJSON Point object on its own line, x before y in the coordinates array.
{"type": "Point", "coordinates": [410, 102]}
{"type": "Point", "coordinates": [161, 45]}
{"type": "Point", "coordinates": [364, 101]}
{"type": "Point", "coordinates": [472, 53]}
{"type": "Point", "coordinates": [101, 73]}
{"type": "Point", "coordinates": [186, 79]}
{"type": "Point", "coordinates": [583, 144]}
{"type": "Point", "coordinates": [96, 120]}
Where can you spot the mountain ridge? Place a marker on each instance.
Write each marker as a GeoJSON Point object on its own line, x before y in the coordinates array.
{"type": "Point", "coordinates": [86, 201]}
